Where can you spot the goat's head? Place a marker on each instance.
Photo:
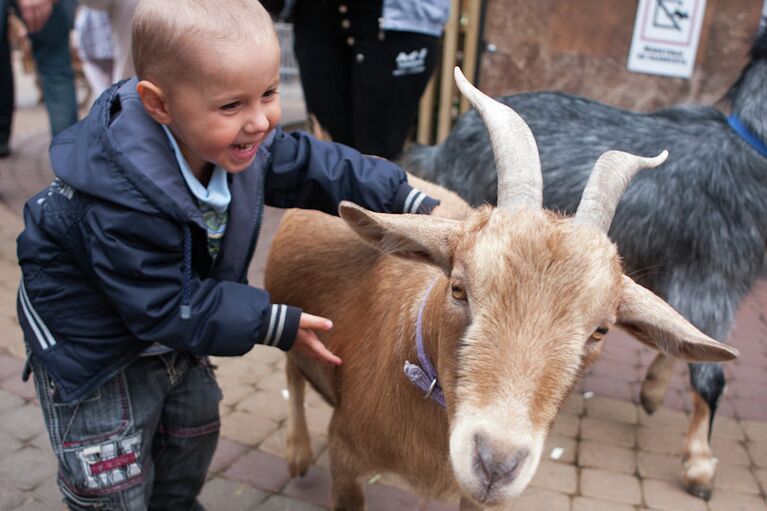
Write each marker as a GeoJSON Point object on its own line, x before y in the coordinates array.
{"type": "Point", "coordinates": [526, 301]}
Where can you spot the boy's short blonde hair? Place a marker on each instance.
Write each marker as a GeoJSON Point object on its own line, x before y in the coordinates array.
{"type": "Point", "coordinates": [168, 34]}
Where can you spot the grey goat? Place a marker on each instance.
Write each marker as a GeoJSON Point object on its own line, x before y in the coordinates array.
{"type": "Point", "coordinates": [692, 230]}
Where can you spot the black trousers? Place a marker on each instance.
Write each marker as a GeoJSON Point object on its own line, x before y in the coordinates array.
{"type": "Point", "coordinates": [362, 84]}
{"type": "Point", "coordinates": [7, 97]}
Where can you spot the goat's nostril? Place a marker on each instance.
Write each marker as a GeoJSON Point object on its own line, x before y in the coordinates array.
{"type": "Point", "coordinates": [496, 467]}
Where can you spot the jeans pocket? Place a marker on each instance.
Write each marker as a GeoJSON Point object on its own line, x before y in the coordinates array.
{"type": "Point", "coordinates": [98, 451]}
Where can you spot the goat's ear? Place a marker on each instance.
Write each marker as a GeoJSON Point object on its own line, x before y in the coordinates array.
{"type": "Point", "coordinates": [656, 324]}
{"type": "Point", "coordinates": [422, 237]}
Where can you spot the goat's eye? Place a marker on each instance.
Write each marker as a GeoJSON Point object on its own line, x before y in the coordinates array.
{"type": "Point", "coordinates": [599, 333]}
{"type": "Point", "coordinates": [458, 292]}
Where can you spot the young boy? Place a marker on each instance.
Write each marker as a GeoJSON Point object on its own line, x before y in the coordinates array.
{"type": "Point", "coordinates": [134, 260]}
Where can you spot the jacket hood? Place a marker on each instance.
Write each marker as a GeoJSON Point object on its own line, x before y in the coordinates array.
{"type": "Point", "coordinates": [119, 154]}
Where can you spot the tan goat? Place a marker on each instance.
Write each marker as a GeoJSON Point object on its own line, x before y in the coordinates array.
{"type": "Point", "coordinates": [510, 305]}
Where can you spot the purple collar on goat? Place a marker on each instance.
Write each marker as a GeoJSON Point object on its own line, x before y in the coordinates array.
{"type": "Point", "coordinates": [424, 376]}
{"type": "Point", "coordinates": [746, 135]}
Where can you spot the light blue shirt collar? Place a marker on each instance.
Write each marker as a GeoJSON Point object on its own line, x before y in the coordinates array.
{"type": "Point", "coordinates": [216, 195]}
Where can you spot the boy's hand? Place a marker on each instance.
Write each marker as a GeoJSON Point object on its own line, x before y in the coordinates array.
{"type": "Point", "coordinates": [307, 342]}
{"type": "Point", "coordinates": [442, 211]}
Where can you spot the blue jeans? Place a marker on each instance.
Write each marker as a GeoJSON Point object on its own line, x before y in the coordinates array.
{"type": "Point", "coordinates": [143, 440]}
{"type": "Point", "coordinates": [50, 47]}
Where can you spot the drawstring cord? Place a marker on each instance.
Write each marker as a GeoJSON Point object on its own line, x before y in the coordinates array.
{"type": "Point", "coordinates": [186, 292]}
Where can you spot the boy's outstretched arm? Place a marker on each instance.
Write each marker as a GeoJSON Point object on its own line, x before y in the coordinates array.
{"type": "Point", "coordinates": [305, 172]}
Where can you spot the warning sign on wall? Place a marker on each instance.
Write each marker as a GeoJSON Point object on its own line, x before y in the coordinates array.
{"type": "Point", "coordinates": [666, 34]}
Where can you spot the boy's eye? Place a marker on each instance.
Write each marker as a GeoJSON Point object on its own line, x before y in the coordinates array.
{"type": "Point", "coordinates": [271, 93]}
{"type": "Point", "coordinates": [231, 106]}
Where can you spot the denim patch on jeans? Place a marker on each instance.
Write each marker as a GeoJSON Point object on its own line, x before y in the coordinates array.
{"type": "Point", "coordinates": [143, 439]}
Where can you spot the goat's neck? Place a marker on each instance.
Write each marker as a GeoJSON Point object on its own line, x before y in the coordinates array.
{"type": "Point", "coordinates": [433, 324]}
{"type": "Point", "coordinates": [749, 98]}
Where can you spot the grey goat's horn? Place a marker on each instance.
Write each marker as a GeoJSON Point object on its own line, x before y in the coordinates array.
{"type": "Point", "coordinates": [520, 182]}
{"type": "Point", "coordinates": [608, 180]}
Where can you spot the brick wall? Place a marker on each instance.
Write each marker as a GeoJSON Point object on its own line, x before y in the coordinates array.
{"type": "Point", "coordinates": [582, 46]}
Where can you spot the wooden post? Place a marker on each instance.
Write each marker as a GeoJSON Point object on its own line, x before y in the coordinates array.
{"type": "Point", "coordinates": [449, 47]}
{"type": "Point", "coordinates": [470, 44]}
{"type": "Point", "coordinates": [425, 131]}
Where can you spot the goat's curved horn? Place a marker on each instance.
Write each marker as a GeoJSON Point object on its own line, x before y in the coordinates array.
{"type": "Point", "coordinates": [516, 154]}
{"type": "Point", "coordinates": [608, 180]}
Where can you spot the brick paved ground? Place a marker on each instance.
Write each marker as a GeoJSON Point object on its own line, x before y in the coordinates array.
{"type": "Point", "coordinates": [612, 455]}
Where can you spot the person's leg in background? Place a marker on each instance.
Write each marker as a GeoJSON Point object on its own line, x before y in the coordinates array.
{"type": "Point", "coordinates": [50, 47]}
{"type": "Point", "coordinates": [388, 79]}
{"type": "Point", "coordinates": [7, 98]}
{"type": "Point", "coordinates": [323, 56]}
{"type": "Point", "coordinates": [121, 18]}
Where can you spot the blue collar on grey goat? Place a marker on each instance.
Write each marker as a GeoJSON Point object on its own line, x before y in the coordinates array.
{"type": "Point", "coordinates": [424, 376]}
{"type": "Point", "coordinates": [746, 135]}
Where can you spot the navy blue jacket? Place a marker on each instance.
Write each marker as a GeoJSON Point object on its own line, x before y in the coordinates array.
{"type": "Point", "coordinates": [114, 253]}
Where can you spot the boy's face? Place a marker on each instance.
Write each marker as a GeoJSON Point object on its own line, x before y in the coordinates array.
{"type": "Point", "coordinates": [226, 111]}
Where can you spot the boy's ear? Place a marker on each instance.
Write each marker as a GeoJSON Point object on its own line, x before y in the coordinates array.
{"type": "Point", "coordinates": [153, 100]}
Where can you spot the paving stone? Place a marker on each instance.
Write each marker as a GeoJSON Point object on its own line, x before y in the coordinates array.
{"type": "Point", "coordinates": [282, 503]}
{"type": "Point", "coordinates": [556, 476]}
{"type": "Point", "coordinates": [223, 494]}
{"type": "Point", "coordinates": [573, 404]}
{"type": "Point", "coordinates": [23, 389]}
{"type": "Point", "coordinates": [267, 403]}
{"type": "Point", "coordinates": [735, 477]}
{"type": "Point", "coordinates": [42, 442]}
{"type": "Point", "coordinates": [660, 440]}
{"type": "Point", "coordinates": [609, 387]}
{"type": "Point", "coordinates": [8, 444]}
{"type": "Point", "coordinates": [666, 496]}
{"type": "Point", "coordinates": [27, 468]}
{"type": "Point", "coordinates": [566, 425]}
{"type": "Point", "coordinates": [605, 485]}
{"type": "Point", "coordinates": [728, 427]}
{"type": "Point", "coordinates": [275, 443]}
{"type": "Point", "coordinates": [247, 428]}
{"type": "Point", "coordinates": [593, 454]}
{"type": "Point", "coordinates": [234, 393]}
{"type": "Point", "coordinates": [35, 505]}
{"type": "Point", "coordinates": [24, 422]}
{"type": "Point", "coordinates": [266, 354]}
{"type": "Point", "coordinates": [566, 448]}
{"type": "Point", "coordinates": [314, 487]}
{"type": "Point", "coordinates": [761, 476]}
{"type": "Point", "coordinates": [48, 493]}
{"type": "Point", "coordinates": [589, 504]}
{"type": "Point", "coordinates": [758, 453]}
{"type": "Point", "coordinates": [729, 451]}
{"type": "Point", "coordinates": [611, 409]}
{"type": "Point", "coordinates": [318, 418]}
{"type": "Point", "coordinates": [537, 499]}
{"type": "Point", "coordinates": [756, 431]}
{"type": "Point", "coordinates": [274, 380]}
{"type": "Point", "coordinates": [750, 409]}
{"type": "Point", "coordinates": [724, 500]}
{"type": "Point", "coordinates": [10, 365]}
{"type": "Point", "coordinates": [10, 496]}
{"type": "Point", "coordinates": [261, 470]}
{"type": "Point", "coordinates": [438, 505]}
{"type": "Point", "coordinates": [659, 466]}
{"type": "Point", "coordinates": [608, 431]}
{"type": "Point", "coordinates": [227, 452]}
